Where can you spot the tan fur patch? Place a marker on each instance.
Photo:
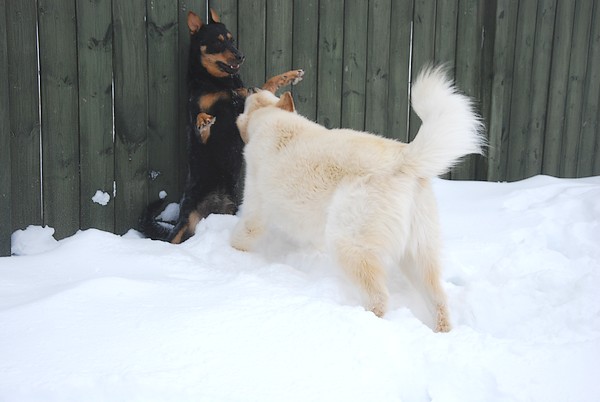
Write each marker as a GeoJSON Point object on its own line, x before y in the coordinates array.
{"type": "Point", "coordinates": [284, 138]}
{"type": "Point", "coordinates": [330, 171]}
{"type": "Point", "coordinates": [209, 61]}
{"type": "Point", "coordinates": [179, 236]}
{"type": "Point", "coordinates": [206, 102]}
{"type": "Point", "coordinates": [193, 221]}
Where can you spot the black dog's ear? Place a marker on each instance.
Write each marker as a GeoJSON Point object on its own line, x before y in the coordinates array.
{"type": "Point", "coordinates": [194, 22]}
{"type": "Point", "coordinates": [214, 17]}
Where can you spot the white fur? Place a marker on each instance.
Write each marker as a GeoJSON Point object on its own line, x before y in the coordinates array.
{"type": "Point", "coordinates": [365, 198]}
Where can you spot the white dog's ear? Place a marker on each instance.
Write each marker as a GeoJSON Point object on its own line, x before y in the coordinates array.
{"type": "Point", "coordinates": [286, 102]}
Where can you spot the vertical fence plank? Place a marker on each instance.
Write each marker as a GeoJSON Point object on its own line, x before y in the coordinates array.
{"type": "Point", "coordinates": [228, 12]}
{"type": "Point", "coordinates": [446, 21]}
{"type": "Point", "coordinates": [400, 50]}
{"type": "Point", "coordinates": [305, 55]}
{"type": "Point", "coordinates": [423, 49]}
{"type": "Point", "coordinates": [355, 64]}
{"type": "Point", "coordinates": [540, 74]}
{"type": "Point", "coordinates": [557, 92]}
{"type": "Point", "coordinates": [96, 158]}
{"type": "Point", "coordinates": [163, 135]}
{"type": "Point", "coordinates": [60, 115]}
{"type": "Point", "coordinates": [378, 65]}
{"type": "Point", "coordinates": [131, 112]}
{"type": "Point", "coordinates": [499, 122]}
{"type": "Point", "coordinates": [522, 87]}
{"type": "Point", "coordinates": [278, 37]}
{"type": "Point", "coordinates": [596, 158]}
{"type": "Point", "coordinates": [251, 37]}
{"type": "Point", "coordinates": [445, 32]}
{"type": "Point", "coordinates": [589, 121]}
{"type": "Point", "coordinates": [487, 76]}
{"type": "Point", "coordinates": [468, 67]}
{"type": "Point", "coordinates": [577, 72]}
{"type": "Point", "coordinates": [331, 46]}
{"type": "Point", "coordinates": [21, 22]}
{"type": "Point", "coordinates": [5, 135]}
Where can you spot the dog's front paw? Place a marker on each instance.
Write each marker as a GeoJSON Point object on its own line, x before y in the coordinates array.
{"type": "Point", "coordinates": [203, 123]}
{"type": "Point", "coordinates": [291, 77]}
{"type": "Point", "coordinates": [296, 76]}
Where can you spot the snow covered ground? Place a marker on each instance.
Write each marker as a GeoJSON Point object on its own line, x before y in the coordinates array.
{"type": "Point", "coordinates": [100, 317]}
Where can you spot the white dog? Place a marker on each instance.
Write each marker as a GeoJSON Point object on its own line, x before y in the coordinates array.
{"type": "Point", "coordinates": [365, 198]}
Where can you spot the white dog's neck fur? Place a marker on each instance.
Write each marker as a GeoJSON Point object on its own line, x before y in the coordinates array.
{"type": "Point", "coordinates": [364, 198]}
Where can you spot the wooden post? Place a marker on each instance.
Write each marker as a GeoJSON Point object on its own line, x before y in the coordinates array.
{"type": "Point", "coordinates": [378, 67]}
{"type": "Point", "coordinates": [5, 137]}
{"type": "Point", "coordinates": [329, 69]}
{"type": "Point", "coordinates": [305, 55]}
{"type": "Point", "coordinates": [60, 115]}
{"type": "Point", "coordinates": [557, 92]}
{"type": "Point", "coordinates": [589, 151]}
{"type": "Point", "coordinates": [356, 13]}
{"type": "Point", "coordinates": [278, 31]}
{"type": "Point", "coordinates": [400, 49]}
{"type": "Point", "coordinates": [423, 49]}
{"type": "Point", "coordinates": [21, 22]}
{"type": "Point", "coordinates": [577, 72]}
{"type": "Point", "coordinates": [163, 130]}
{"type": "Point", "coordinates": [252, 41]}
{"type": "Point", "coordinates": [97, 151]}
{"type": "Point", "coordinates": [131, 112]}
{"type": "Point", "coordinates": [468, 67]}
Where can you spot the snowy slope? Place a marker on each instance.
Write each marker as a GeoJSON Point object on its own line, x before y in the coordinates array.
{"type": "Point", "coordinates": [99, 317]}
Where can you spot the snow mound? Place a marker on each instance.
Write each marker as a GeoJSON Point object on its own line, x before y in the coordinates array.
{"type": "Point", "coordinates": [101, 317]}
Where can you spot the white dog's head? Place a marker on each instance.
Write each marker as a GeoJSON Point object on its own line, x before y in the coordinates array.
{"type": "Point", "coordinates": [258, 101]}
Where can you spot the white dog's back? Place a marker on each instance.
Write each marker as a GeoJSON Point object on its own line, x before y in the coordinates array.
{"type": "Point", "coordinates": [364, 197]}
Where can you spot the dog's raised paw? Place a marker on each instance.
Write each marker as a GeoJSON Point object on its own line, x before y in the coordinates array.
{"type": "Point", "coordinates": [299, 75]}
{"type": "Point", "coordinates": [204, 121]}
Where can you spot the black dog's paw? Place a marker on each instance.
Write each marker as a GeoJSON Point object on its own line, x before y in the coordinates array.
{"type": "Point", "coordinates": [203, 123]}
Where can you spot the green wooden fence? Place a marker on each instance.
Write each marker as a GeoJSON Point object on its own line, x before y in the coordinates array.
{"type": "Point", "coordinates": [93, 93]}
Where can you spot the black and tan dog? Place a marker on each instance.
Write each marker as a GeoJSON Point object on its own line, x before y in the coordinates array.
{"type": "Point", "coordinates": [216, 98]}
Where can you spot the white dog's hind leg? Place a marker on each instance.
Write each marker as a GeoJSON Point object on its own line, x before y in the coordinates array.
{"type": "Point", "coordinates": [367, 271]}
{"type": "Point", "coordinates": [423, 269]}
{"type": "Point", "coordinates": [422, 260]}
{"type": "Point", "coordinates": [428, 263]}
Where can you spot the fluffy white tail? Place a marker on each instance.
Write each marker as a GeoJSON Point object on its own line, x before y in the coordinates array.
{"type": "Point", "coordinates": [451, 129]}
